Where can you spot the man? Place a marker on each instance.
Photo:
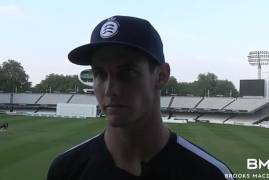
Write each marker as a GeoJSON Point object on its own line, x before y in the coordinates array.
{"type": "Point", "coordinates": [129, 69]}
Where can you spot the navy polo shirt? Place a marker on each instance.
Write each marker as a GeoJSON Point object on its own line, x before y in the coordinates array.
{"type": "Point", "coordinates": [179, 159]}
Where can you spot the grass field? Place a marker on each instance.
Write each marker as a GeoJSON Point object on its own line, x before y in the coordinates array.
{"type": "Point", "coordinates": [31, 143]}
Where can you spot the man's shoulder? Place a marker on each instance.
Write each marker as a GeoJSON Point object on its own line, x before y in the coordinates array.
{"type": "Point", "coordinates": [86, 147]}
{"type": "Point", "coordinates": [198, 160]}
{"type": "Point", "coordinates": [75, 157]}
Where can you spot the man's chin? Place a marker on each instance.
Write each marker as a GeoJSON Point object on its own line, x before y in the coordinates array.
{"type": "Point", "coordinates": [117, 122]}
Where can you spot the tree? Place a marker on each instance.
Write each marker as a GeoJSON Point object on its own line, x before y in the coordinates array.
{"type": "Point", "coordinates": [225, 88]}
{"type": "Point", "coordinates": [2, 78]}
{"type": "Point", "coordinates": [60, 83]}
{"type": "Point", "coordinates": [185, 89]}
{"type": "Point", "coordinates": [13, 78]}
{"type": "Point", "coordinates": [171, 86]}
{"type": "Point", "coordinates": [206, 85]}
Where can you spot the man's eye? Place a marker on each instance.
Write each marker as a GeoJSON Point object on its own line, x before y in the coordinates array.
{"type": "Point", "coordinates": [129, 73]}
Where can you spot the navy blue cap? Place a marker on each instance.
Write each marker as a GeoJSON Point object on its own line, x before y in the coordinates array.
{"type": "Point", "coordinates": [121, 30]}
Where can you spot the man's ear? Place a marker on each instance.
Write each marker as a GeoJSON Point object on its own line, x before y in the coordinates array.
{"type": "Point", "coordinates": [163, 75]}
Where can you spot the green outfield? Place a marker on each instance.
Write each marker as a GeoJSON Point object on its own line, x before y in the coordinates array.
{"type": "Point", "coordinates": [31, 143]}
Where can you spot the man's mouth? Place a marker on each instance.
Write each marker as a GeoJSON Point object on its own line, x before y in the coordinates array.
{"type": "Point", "coordinates": [114, 106]}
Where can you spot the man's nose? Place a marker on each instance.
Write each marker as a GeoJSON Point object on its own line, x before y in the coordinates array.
{"type": "Point", "coordinates": [112, 86]}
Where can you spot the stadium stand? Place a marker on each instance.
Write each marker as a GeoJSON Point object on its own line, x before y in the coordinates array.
{"type": "Point", "coordinates": [176, 109]}
{"type": "Point", "coordinates": [53, 99]}
{"type": "Point", "coordinates": [175, 115]}
{"type": "Point", "coordinates": [250, 119]}
{"type": "Point", "coordinates": [244, 111]}
{"type": "Point", "coordinates": [264, 124]}
{"type": "Point", "coordinates": [172, 120]}
{"type": "Point", "coordinates": [24, 109]}
{"type": "Point", "coordinates": [83, 99]}
{"type": "Point", "coordinates": [25, 98]}
{"type": "Point", "coordinates": [247, 105]}
{"type": "Point", "coordinates": [166, 101]}
{"type": "Point", "coordinates": [46, 111]}
{"type": "Point", "coordinates": [244, 119]}
{"type": "Point", "coordinates": [5, 98]}
{"type": "Point", "coordinates": [214, 118]}
{"type": "Point", "coordinates": [215, 103]}
{"type": "Point", "coordinates": [38, 104]}
{"type": "Point", "coordinates": [185, 102]}
{"type": "Point", "coordinates": [189, 117]}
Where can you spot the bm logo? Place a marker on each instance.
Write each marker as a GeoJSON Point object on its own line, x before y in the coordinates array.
{"type": "Point", "coordinates": [257, 164]}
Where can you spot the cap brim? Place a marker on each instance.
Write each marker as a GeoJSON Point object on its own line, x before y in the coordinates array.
{"type": "Point", "coordinates": [82, 55]}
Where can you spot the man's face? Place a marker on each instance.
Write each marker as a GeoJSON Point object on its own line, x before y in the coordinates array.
{"type": "Point", "coordinates": [123, 85]}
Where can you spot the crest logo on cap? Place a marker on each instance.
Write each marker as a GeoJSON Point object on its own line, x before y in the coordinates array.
{"type": "Point", "coordinates": [109, 29]}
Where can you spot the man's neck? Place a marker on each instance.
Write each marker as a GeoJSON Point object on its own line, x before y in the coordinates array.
{"type": "Point", "coordinates": [129, 146]}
